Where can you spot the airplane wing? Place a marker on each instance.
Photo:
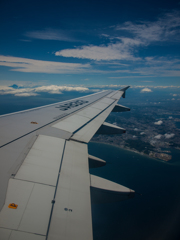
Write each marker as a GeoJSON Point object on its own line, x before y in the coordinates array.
{"type": "Point", "coordinates": [45, 185]}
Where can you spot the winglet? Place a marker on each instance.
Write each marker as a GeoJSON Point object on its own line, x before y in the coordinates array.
{"type": "Point", "coordinates": [124, 91]}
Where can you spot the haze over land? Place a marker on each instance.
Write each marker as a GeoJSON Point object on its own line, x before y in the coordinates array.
{"type": "Point", "coordinates": [153, 124]}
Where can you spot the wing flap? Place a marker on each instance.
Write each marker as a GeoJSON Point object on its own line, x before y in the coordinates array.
{"type": "Point", "coordinates": [71, 218]}
{"type": "Point", "coordinates": [43, 160]}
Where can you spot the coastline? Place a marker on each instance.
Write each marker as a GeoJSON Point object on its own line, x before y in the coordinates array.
{"type": "Point", "coordinates": [131, 150]}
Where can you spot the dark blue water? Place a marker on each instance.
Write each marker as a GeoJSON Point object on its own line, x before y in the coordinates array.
{"type": "Point", "coordinates": [155, 214]}
{"type": "Point", "coordinates": [178, 125]}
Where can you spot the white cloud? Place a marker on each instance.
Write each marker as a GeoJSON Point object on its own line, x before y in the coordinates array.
{"type": "Point", "coordinates": [52, 89]}
{"type": "Point", "coordinates": [39, 66]}
{"type": "Point", "coordinates": [22, 92]}
{"type": "Point", "coordinates": [158, 136]}
{"type": "Point", "coordinates": [142, 133]}
{"type": "Point", "coordinates": [158, 122]}
{"type": "Point", "coordinates": [165, 28]}
{"type": "Point", "coordinates": [119, 51]}
{"type": "Point", "coordinates": [50, 34]}
{"type": "Point", "coordinates": [146, 90]}
{"type": "Point", "coordinates": [25, 94]}
{"type": "Point", "coordinates": [169, 135]}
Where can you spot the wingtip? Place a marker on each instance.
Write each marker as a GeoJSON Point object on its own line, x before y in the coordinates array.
{"type": "Point", "coordinates": [124, 89]}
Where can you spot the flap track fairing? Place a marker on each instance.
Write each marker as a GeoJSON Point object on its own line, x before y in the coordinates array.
{"type": "Point", "coordinates": [105, 191]}
{"type": "Point", "coordinates": [107, 128]}
{"type": "Point", "coordinates": [120, 108]}
{"type": "Point", "coordinates": [95, 162]}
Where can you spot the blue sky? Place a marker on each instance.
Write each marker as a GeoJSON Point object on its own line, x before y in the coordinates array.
{"type": "Point", "coordinates": [89, 43]}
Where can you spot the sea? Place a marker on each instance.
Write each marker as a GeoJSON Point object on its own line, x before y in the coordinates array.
{"type": "Point", "coordinates": [154, 212]}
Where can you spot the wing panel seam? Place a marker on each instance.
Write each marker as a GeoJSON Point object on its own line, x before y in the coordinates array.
{"type": "Point", "coordinates": [53, 201]}
{"type": "Point", "coordinates": [25, 207]}
{"type": "Point", "coordinates": [23, 231]}
{"type": "Point", "coordinates": [24, 180]}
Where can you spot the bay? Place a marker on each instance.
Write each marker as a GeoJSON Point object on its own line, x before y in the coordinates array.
{"type": "Point", "coordinates": [153, 215]}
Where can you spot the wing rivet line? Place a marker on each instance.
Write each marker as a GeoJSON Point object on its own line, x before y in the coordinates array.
{"type": "Point", "coordinates": [13, 205]}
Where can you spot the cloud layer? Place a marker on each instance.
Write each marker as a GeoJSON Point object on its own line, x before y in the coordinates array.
{"type": "Point", "coordinates": [120, 55]}
{"type": "Point", "coordinates": [166, 28]}
{"type": "Point", "coordinates": [39, 66]}
{"type": "Point", "coordinates": [123, 45]}
{"type": "Point", "coordinates": [52, 89]}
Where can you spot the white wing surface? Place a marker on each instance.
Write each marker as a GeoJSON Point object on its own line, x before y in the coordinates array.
{"type": "Point", "coordinates": [45, 185]}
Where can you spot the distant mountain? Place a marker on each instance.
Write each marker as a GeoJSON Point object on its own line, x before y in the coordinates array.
{"type": "Point", "coordinates": [14, 86]}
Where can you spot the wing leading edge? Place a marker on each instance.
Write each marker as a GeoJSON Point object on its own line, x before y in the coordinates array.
{"type": "Point", "coordinates": [47, 177]}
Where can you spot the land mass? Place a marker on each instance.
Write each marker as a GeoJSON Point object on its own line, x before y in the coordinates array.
{"type": "Point", "coordinates": [150, 130]}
